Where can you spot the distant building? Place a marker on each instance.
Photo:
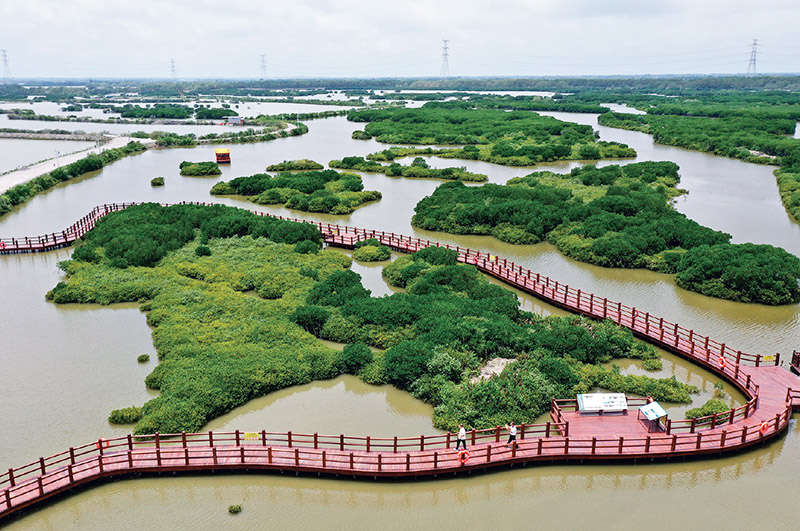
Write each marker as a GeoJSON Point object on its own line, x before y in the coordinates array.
{"type": "Point", "coordinates": [235, 120]}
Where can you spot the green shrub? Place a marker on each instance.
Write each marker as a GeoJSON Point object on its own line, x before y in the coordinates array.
{"type": "Point", "coordinates": [143, 358]}
{"type": "Point", "coordinates": [370, 253]}
{"type": "Point", "coordinates": [157, 181]}
{"type": "Point", "coordinates": [195, 169]}
{"type": "Point", "coordinates": [306, 247]}
{"type": "Point", "coordinates": [202, 250]}
{"type": "Point", "coordinates": [127, 415]}
{"type": "Point", "coordinates": [714, 405]}
{"type": "Point", "coordinates": [355, 356]}
{"type": "Point", "coordinates": [234, 509]}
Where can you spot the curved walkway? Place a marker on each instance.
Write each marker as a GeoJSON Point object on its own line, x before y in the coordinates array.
{"type": "Point", "coordinates": [772, 393]}
{"type": "Point", "coordinates": [13, 178]}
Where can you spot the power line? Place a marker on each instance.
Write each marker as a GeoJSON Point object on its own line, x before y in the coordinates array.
{"type": "Point", "coordinates": [263, 67]}
{"type": "Point", "coordinates": [445, 66]}
{"type": "Point", "coordinates": [751, 67]}
{"type": "Point", "coordinates": [6, 68]}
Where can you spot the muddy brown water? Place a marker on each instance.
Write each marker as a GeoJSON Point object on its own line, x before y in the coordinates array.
{"type": "Point", "coordinates": [66, 367]}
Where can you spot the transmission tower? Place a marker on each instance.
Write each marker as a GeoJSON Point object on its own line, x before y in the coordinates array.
{"type": "Point", "coordinates": [751, 67]}
{"type": "Point", "coordinates": [263, 67]}
{"type": "Point", "coordinates": [445, 65]}
{"type": "Point", "coordinates": [6, 68]}
{"type": "Point", "coordinates": [172, 71]}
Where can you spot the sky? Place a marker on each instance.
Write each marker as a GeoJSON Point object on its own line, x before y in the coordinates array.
{"type": "Point", "coordinates": [380, 38]}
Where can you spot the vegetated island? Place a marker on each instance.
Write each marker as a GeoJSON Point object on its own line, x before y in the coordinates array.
{"type": "Point", "coordinates": [218, 346]}
{"type": "Point", "coordinates": [754, 126]}
{"type": "Point", "coordinates": [616, 216]}
{"type": "Point", "coordinates": [199, 169]}
{"type": "Point", "coordinates": [516, 138]}
{"type": "Point", "coordinates": [295, 165]}
{"type": "Point", "coordinates": [418, 169]}
{"type": "Point", "coordinates": [326, 191]}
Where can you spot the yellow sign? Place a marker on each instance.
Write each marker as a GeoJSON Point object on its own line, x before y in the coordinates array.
{"type": "Point", "coordinates": [767, 358]}
{"type": "Point", "coordinates": [250, 436]}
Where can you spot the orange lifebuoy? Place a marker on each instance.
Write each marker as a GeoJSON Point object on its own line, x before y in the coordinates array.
{"type": "Point", "coordinates": [722, 361]}
{"type": "Point", "coordinates": [102, 443]}
{"type": "Point", "coordinates": [764, 428]}
{"type": "Point", "coordinates": [463, 456]}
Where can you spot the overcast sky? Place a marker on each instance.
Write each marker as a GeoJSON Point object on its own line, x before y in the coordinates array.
{"type": "Point", "coordinates": [380, 38]}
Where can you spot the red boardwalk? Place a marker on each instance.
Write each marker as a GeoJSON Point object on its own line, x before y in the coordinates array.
{"type": "Point", "coordinates": [771, 390]}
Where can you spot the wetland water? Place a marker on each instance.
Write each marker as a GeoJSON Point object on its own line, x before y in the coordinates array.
{"type": "Point", "coordinates": [67, 366]}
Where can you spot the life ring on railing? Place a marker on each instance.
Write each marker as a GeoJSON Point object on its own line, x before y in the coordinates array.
{"type": "Point", "coordinates": [2, 245]}
{"type": "Point", "coordinates": [463, 456]}
{"type": "Point", "coordinates": [102, 443]}
{"type": "Point", "coordinates": [722, 361]}
{"type": "Point", "coordinates": [764, 428]}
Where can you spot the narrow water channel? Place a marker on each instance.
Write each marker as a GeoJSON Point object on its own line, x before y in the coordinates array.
{"type": "Point", "coordinates": [66, 367]}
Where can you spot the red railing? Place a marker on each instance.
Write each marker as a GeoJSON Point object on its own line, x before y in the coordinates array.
{"type": "Point", "coordinates": [714, 355]}
{"type": "Point", "coordinates": [350, 455]}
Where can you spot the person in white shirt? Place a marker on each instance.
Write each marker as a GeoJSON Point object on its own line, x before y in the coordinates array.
{"type": "Point", "coordinates": [512, 433]}
{"type": "Point", "coordinates": [462, 437]}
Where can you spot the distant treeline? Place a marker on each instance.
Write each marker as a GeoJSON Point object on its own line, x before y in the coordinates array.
{"type": "Point", "coordinates": [66, 90]}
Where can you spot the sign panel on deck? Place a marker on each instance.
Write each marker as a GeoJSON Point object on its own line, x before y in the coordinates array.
{"type": "Point", "coordinates": [653, 411]}
{"type": "Point", "coordinates": [602, 402]}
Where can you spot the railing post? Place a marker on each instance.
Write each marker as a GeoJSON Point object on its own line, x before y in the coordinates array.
{"type": "Point", "coordinates": [473, 435]}
{"type": "Point", "coordinates": [594, 444]}
{"type": "Point", "coordinates": [42, 466]}
{"type": "Point", "coordinates": [448, 439]}
{"type": "Point", "coordinates": [497, 434]}
{"type": "Point", "coordinates": [421, 443]}
{"type": "Point", "coordinates": [522, 431]}
{"type": "Point", "coordinates": [211, 438]}
{"type": "Point", "coordinates": [539, 447]}
{"type": "Point", "coordinates": [237, 438]}
{"type": "Point", "coordinates": [214, 454]}
{"type": "Point", "coordinates": [241, 450]}
{"type": "Point", "coordinates": [70, 473]}
{"type": "Point", "coordinates": [130, 442]}
{"type": "Point", "coordinates": [488, 453]}
{"type": "Point", "coordinates": [547, 429]}
{"type": "Point", "coordinates": [408, 462]}
{"type": "Point", "coordinates": [351, 460]}
{"type": "Point", "coordinates": [722, 439]}
{"type": "Point", "coordinates": [11, 477]}
{"type": "Point", "coordinates": [395, 443]}
{"type": "Point", "coordinates": [263, 437]}
{"type": "Point", "coordinates": [269, 455]}
{"type": "Point", "coordinates": [41, 487]}
{"type": "Point", "coordinates": [647, 445]}
{"type": "Point", "coordinates": [514, 448]}
{"type": "Point", "coordinates": [315, 441]}
{"type": "Point", "coordinates": [368, 443]}
{"type": "Point", "coordinates": [8, 498]}
{"type": "Point", "coordinates": [289, 438]}
{"type": "Point", "coordinates": [674, 442]}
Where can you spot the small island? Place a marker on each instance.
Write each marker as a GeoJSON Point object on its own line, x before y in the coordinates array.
{"type": "Point", "coordinates": [325, 191]}
{"type": "Point", "coordinates": [199, 169]}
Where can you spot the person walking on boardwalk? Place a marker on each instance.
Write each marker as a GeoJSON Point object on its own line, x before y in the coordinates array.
{"type": "Point", "coordinates": [462, 437]}
{"type": "Point", "coordinates": [512, 433]}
